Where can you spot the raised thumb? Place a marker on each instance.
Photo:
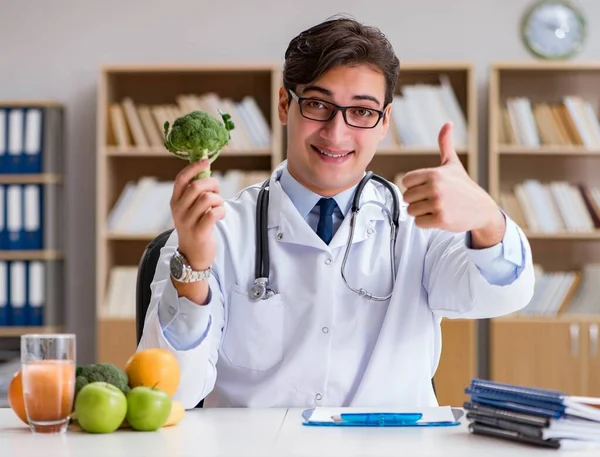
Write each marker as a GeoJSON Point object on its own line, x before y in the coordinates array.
{"type": "Point", "coordinates": [447, 152]}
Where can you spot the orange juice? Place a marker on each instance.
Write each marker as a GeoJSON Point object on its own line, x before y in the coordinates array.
{"type": "Point", "coordinates": [49, 390]}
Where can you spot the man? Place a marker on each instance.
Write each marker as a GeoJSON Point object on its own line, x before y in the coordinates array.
{"type": "Point", "coordinates": [315, 342]}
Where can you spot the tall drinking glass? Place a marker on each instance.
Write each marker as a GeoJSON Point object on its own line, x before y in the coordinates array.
{"type": "Point", "coordinates": [48, 370]}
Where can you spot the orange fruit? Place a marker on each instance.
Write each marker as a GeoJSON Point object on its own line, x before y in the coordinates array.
{"type": "Point", "coordinates": [154, 367]}
{"type": "Point", "coordinates": [15, 396]}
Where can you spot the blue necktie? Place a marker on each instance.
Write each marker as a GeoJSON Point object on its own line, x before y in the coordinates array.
{"type": "Point", "coordinates": [325, 226]}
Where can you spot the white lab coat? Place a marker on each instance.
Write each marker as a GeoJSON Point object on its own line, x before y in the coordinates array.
{"type": "Point", "coordinates": [317, 343]}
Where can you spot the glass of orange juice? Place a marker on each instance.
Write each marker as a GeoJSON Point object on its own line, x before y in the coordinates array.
{"type": "Point", "coordinates": [48, 370]}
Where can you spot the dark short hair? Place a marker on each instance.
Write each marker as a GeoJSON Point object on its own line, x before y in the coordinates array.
{"type": "Point", "coordinates": [339, 41]}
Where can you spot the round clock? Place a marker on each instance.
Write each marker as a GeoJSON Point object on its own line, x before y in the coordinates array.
{"type": "Point", "coordinates": [553, 29]}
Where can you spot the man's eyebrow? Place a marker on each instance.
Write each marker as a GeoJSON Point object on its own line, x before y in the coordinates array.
{"type": "Point", "coordinates": [329, 94]}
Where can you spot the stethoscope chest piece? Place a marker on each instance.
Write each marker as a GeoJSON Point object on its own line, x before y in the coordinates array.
{"type": "Point", "coordinates": [260, 290]}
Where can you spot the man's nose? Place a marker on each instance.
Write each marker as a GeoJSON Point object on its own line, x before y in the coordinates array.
{"type": "Point", "coordinates": [335, 129]}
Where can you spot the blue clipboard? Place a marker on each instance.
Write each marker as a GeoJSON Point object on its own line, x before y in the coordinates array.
{"type": "Point", "coordinates": [380, 420]}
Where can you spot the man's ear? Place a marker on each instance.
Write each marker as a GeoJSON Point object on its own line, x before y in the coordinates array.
{"type": "Point", "coordinates": [385, 121]}
{"type": "Point", "coordinates": [283, 105]}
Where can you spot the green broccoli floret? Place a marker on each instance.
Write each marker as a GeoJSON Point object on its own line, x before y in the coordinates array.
{"type": "Point", "coordinates": [104, 372]}
{"type": "Point", "coordinates": [198, 136]}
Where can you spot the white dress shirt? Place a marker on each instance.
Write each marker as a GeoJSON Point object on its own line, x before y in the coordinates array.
{"type": "Point", "coordinates": [316, 342]}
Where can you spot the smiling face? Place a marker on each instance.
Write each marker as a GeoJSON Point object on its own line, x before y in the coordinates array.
{"type": "Point", "coordinates": [330, 157]}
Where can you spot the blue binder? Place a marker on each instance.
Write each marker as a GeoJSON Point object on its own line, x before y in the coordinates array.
{"type": "Point", "coordinates": [36, 293]}
{"type": "Point", "coordinates": [15, 139]}
{"type": "Point", "coordinates": [14, 217]}
{"type": "Point", "coordinates": [32, 223]}
{"type": "Point", "coordinates": [18, 293]}
{"type": "Point", "coordinates": [4, 165]}
{"type": "Point", "coordinates": [3, 215]}
{"type": "Point", "coordinates": [33, 140]}
{"type": "Point", "coordinates": [4, 293]}
{"type": "Point", "coordinates": [542, 402]}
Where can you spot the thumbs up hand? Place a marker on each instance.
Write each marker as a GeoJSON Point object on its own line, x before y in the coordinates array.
{"type": "Point", "coordinates": [445, 197]}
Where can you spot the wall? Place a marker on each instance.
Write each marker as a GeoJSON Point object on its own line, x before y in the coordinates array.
{"type": "Point", "coordinates": [54, 50]}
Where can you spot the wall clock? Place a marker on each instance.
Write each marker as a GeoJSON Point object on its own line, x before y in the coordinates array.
{"type": "Point", "coordinates": [553, 29]}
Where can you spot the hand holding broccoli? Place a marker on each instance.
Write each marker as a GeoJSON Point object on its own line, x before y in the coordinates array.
{"type": "Point", "coordinates": [196, 204]}
{"type": "Point", "coordinates": [198, 136]}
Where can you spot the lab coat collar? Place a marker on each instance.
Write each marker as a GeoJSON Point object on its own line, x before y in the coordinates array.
{"type": "Point", "coordinates": [294, 229]}
{"type": "Point", "coordinates": [305, 199]}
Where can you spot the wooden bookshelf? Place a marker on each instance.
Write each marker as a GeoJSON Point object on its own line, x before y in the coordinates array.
{"type": "Point", "coordinates": [557, 349]}
{"type": "Point", "coordinates": [118, 164]}
{"type": "Point", "coordinates": [156, 85]}
{"type": "Point", "coordinates": [37, 167]}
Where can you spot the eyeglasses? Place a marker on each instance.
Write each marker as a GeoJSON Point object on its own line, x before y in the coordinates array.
{"type": "Point", "coordinates": [322, 111]}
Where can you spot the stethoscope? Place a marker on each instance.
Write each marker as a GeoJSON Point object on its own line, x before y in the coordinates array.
{"type": "Point", "coordinates": [261, 290]}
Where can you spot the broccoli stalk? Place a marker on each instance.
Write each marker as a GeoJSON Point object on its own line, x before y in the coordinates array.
{"type": "Point", "coordinates": [198, 136]}
{"type": "Point", "coordinates": [104, 372]}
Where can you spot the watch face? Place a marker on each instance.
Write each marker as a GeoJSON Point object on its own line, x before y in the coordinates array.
{"type": "Point", "coordinates": [176, 267]}
{"type": "Point", "coordinates": [553, 29]}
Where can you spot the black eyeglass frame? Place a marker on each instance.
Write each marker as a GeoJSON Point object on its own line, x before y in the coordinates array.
{"type": "Point", "coordinates": [336, 108]}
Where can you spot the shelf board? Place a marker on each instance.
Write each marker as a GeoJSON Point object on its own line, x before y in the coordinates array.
{"type": "Point", "coordinates": [18, 331]}
{"type": "Point", "coordinates": [206, 67]}
{"type": "Point", "coordinates": [401, 151]}
{"type": "Point", "coordinates": [547, 150]}
{"type": "Point", "coordinates": [115, 319]}
{"type": "Point", "coordinates": [31, 255]}
{"type": "Point", "coordinates": [537, 319]}
{"type": "Point", "coordinates": [159, 151]}
{"type": "Point", "coordinates": [28, 103]}
{"type": "Point", "coordinates": [41, 178]}
{"type": "Point", "coordinates": [594, 235]}
{"type": "Point", "coordinates": [125, 236]}
{"type": "Point", "coordinates": [547, 65]}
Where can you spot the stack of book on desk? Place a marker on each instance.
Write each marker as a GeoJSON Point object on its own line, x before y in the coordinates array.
{"type": "Point", "coordinates": [539, 417]}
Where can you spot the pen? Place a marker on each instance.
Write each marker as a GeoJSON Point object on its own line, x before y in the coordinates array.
{"type": "Point", "coordinates": [379, 418]}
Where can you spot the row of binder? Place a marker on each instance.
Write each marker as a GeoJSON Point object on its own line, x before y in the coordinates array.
{"type": "Point", "coordinates": [30, 139]}
{"type": "Point", "coordinates": [22, 293]}
{"type": "Point", "coordinates": [21, 216]}
{"type": "Point", "coordinates": [29, 216]}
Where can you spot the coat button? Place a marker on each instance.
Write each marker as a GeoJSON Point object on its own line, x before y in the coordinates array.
{"type": "Point", "coordinates": [328, 261]}
{"type": "Point", "coordinates": [171, 310]}
{"type": "Point", "coordinates": [370, 231]}
{"type": "Point", "coordinates": [318, 397]}
{"type": "Point", "coordinates": [325, 330]}
{"type": "Point", "coordinates": [280, 236]}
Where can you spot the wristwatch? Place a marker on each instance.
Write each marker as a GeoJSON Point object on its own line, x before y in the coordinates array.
{"type": "Point", "coordinates": [181, 270]}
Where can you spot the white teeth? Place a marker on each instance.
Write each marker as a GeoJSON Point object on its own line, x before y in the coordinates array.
{"type": "Point", "coordinates": [332, 155]}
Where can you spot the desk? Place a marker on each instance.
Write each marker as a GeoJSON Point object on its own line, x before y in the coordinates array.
{"type": "Point", "coordinates": [260, 432]}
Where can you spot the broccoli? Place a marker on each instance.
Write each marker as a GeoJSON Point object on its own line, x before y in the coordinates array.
{"type": "Point", "coordinates": [198, 136]}
{"type": "Point", "coordinates": [105, 372]}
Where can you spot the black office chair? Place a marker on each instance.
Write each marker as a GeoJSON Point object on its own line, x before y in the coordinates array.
{"type": "Point", "coordinates": [145, 275]}
{"type": "Point", "coordinates": [146, 270]}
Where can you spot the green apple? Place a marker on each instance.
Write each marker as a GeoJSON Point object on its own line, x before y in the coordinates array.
{"type": "Point", "coordinates": [148, 408]}
{"type": "Point", "coordinates": [100, 407]}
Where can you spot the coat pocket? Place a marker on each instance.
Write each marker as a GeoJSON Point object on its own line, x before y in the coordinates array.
{"type": "Point", "coordinates": [253, 336]}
